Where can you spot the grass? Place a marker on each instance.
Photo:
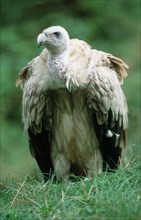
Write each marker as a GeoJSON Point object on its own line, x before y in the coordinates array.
{"type": "Point", "coordinates": [106, 196]}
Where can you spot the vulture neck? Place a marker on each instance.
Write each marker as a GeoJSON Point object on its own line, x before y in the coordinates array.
{"type": "Point", "coordinates": [57, 58]}
{"type": "Point", "coordinates": [56, 74]}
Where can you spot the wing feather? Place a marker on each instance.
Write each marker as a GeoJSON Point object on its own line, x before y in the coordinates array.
{"type": "Point", "coordinates": [120, 67]}
{"type": "Point", "coordinates": [109, 97]}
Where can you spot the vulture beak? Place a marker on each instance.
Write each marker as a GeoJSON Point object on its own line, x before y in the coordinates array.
{"type": "Point", "coordinates": [41, 39]}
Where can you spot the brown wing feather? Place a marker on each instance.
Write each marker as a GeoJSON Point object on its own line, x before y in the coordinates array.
{"type": "Point", "coordinates": [24, 74]}
{"type": "Point", "coordinates": [120, 67]}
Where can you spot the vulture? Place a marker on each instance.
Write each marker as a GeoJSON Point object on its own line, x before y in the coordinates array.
{"type": "Point", "coordinates": [74, 110]}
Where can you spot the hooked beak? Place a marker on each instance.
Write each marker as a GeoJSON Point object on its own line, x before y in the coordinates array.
{"type": "Point", "coordinates": [41, 39]}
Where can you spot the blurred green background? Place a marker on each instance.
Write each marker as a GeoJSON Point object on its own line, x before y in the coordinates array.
{"type": "Point", "coordinates": [109, 25]}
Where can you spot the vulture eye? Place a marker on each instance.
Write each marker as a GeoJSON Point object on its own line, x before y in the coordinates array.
{"type": "Point", "coordinates": [46, 34]}
{"type": "Point", "coordinates": [57, 34]}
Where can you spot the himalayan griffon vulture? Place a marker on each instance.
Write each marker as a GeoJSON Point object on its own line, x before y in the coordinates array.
{"type": "Point", "coordinates": [74, 110]}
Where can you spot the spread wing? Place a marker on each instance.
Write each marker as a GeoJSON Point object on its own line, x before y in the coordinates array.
{"type": "Point", "coordinates": [108, 107]}
{"type": "Point", "coordinates": [36, 115]}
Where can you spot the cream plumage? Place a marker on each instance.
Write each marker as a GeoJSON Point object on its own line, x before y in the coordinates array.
{"type": "Point", "coordinates": [74, 110]}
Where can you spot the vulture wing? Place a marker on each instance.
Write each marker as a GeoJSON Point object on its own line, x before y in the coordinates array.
{"type": "Point", "coordinates": [108, 107]}
{"type": "Point", "coordinates": [37, 114]}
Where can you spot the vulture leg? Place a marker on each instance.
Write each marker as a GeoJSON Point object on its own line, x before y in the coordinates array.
{"type": "Point", "coordinates": [61, 167]}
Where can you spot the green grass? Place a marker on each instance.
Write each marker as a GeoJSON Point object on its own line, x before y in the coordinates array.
{"type": "Point", "coordinates": [106, 196]}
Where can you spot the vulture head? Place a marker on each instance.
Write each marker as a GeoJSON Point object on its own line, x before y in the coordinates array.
{"type": "Point", "coordinates": [55, 39]}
